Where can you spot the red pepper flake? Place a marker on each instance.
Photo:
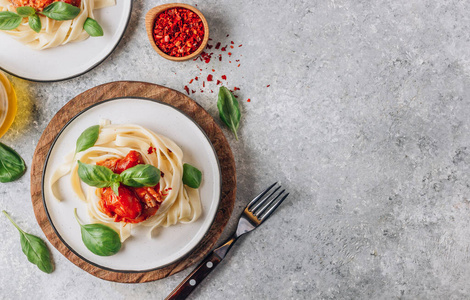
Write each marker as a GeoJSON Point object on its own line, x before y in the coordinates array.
{"type": "Point", "coordinates": [209, 46]}
{"type": "Point", "coordinates": [229, 54]}
{"type": "Point", "coordinates": [249, 100]}
{"type": "Point", "coordinates": [191, 81]}
{"type": "Point", "coordinates": [224, 77]}
{"type": "Point", "coordinates": [212, 91]}
{"type": "Point", "coordinates": [203, 84]}
{"type": "Point", "coordinates": [220, 57]}
{"type": "Point", "coordinates": [231, 47]}
{"type": "Point", "coordinates": [238, 65]}
{"type": "Point", "coordinates": [162, 174]}
{"type": "Point", "coordinates": [227, 35]}
{"type": "Point", "coordinates": [196, 78]}
{"type": "Point", "coordinates": [237, 60]}
{"type": "Point", "coordinates": [218, 82]}
{"type": "Point", "coordinates": [186, 89]}
{"type": "Point", "coordinates": [193, 91]}
{"type": "Point", "coordinates": [223, 48]}
{"type": "Point", "coordinates": [150, 150]}
{"type": "Point", "coordinates": [230, 61]}
{"type": "Point", "coordinates": [213, 70]}
{"type": "Point", "coordinates": [217, 46]}
{"type": "Point", "coordinates": [178, 31]}
{"type": "Point", "coordinates": [268, 85]}
{"type": "Point", "coordinates": [231, 42]}
{"type": "Point", "coordinates": [240, 45]}
{"type": "Point", "coordinates": [209, 77]}
{"type": "Point", "coordinates": [236, 89]}
{"type": "Point", "coordinates": [202, 91]}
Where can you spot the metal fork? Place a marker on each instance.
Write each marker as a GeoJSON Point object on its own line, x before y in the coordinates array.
{"type": "Point", "coordinates": [254, 214]}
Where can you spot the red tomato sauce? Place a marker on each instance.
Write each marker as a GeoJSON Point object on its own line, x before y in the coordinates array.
{"type": "Point", "coordinates": [39, 5]}
{"type": "Point", "coordinates": [133, 205]}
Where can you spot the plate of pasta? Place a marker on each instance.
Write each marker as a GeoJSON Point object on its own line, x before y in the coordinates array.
{"type": "Point", "coordinates": [53, 40]}
{"type": "Point", "coordinates": [124, 163]}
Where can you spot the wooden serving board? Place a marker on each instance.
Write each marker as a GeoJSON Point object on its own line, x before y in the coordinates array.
{"type": "Point", "coordinates": [151, 91]}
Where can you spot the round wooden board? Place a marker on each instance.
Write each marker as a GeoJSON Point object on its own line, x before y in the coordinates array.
{"type": "Point", "coordinates": [151, 91]}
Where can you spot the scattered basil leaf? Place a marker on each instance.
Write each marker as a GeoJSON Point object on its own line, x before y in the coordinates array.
{"type": "Point", "coordinates": [25, 11]}
{"type": "Point", "coordinates": [61, 11]}
{"type": "Point", "coordinates": [99, 239]}
{"type": "Point", "coordinates": [12, 166]}
{"type": "Point", "coordinates": [97, 176]}
{"type": "Point", "coordinates": [92, 27]}
{"type": "Point", "coordinates": [229, 111]}
{"type": "Point", "coordinates": [88, 137]}
{"type": "Point", "coordinates": [192, 177]}
{"type": "Point", "coordinates": [141, 175]}
{"type": "Point", "coordinates": [115, 187]}
{"type": "Point", "coordinates": [9, 20]}
{"type": "Point", "coordinates": [35, 23]}
{"type": "Point", "coordinates": [34, 248]}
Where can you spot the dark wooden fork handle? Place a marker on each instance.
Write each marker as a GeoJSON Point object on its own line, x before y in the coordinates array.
{"type": "Point", "coordinates": [192, 281]}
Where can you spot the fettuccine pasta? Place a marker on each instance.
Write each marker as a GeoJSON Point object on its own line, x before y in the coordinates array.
{"type": "Point", "coordinates": [180, 202]}
{"type": "Point", "coordinates": [54, 33]}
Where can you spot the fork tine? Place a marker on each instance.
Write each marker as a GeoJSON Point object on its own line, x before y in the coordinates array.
{"type": "Point", "coordinates": [266, 215]}
{"type": "Point", "coordinates": [261, 195]}
{"type": "Point", "coordinates": [260, 210]}
{"type": "Point", "coordinates": [263, 201]}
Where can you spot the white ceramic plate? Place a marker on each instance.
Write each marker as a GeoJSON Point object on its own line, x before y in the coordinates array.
{"type": "Point", "coordinates": [139, 253]}
{"type": "Point", "coordinates": [69, 60]}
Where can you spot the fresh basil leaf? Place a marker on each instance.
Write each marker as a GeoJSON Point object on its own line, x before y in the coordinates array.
{"type": "Point", "coordinates": [99, 239]}
{"type": "Point", "coordinates": [9, 20]}
{"type": "Point", "coordinates": [115, 187]}
{"type": "Point", "coordinates": [61, 11]}
{"type": "Point", "coordinates": [229, 111]}
{"type": "Point", "coordinates": [35, 23]}
{"type": "Point", "coordinates": [92, 27]}
{"type": "Point", "coordinates": [25, 11]}
{"type": "Point", "coordinates": [34, 248]}
{"type": "Point", "coordinates": [12, 166]}
{"type": "Point", "coordinates": [88, 137]}
{"type": "Point", "coordinates": [192, 177]}
{"type": "Point", "coordinates": [97, 176]}
{"type": "Point", "coordinates": [141, 175]}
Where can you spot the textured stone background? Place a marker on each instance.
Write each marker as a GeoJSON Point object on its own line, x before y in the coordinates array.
{"type": "Point", "coordinates": [366, 122]}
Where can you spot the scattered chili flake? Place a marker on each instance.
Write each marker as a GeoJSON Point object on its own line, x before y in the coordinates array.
{"type": "Point", "coordinates": [231, 42]}
{"type": "Point", "coordinates": [150, 150]}
{"type": "Point", "coordinates": [229, 54]}
{"type": "Point", "coordinates": [224, 77]}
{"type": "Point", "coordinates": [212, 91]}
{"type": "Point", "coordinates": [220, 57]}
{"type": "Point", "coordinates": [209, 46]}
{"type": "Point", "coordinates": [236, 89]}
{"type": "Point", "coordinates": [249, 100]}
{"type": "Point", "coordinates": [193, 91]}
{"type": "Point", "coordinates": [213, 70]}
{"type": "Point", "coordinates": [223, 48]}
{"type": "Point", "coordinates": [218, 82]}
{"type": "Point", "coordinates": [238, 65]}
{"type": "Point", "coordinates": [203, 84]}
{"type": "Point", "coordinates": [227, 35]}
{"type": "Point", "coordinates": [195, 78]}
{"type": "Point", "coordinates": [240, 45]}
{"type": "Point", "coordinates": [231, 47]}
{"type": "Point", "coordinates": [217, 46]}
{"type": "Point", "coordinates": [268, 85]}
{"type": "Point", "coordinates": [178, 31]}
{"type": "Point", "coordinates": [230, 61]}
{"type": "Point", "coordinates": [186, 89]}
{"type": "Point", "coordinates": [202, 91]}
{"type": "Point", "coordinates": [191, 81]}
{"type": "Point", "coordinates": [209, 77]}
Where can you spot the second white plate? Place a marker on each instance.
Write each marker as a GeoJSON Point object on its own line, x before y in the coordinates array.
{"type": "Point", "coordinates": [70, 60]}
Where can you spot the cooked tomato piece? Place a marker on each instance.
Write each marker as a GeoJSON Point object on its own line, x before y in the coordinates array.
{"type": "Point", "coordinates": [149, 195]}
{"type": "Point", "coordinates": [39, 5]}
{"type": "Point", "coordinates": [124, 207]}
{"type": "Point", "coordinates": [118, 165]}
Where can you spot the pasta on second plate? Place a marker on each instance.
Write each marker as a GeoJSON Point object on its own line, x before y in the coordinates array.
{"type": "Point", "coordinates": [54, 33]}
{"type": "Point", "coordinates": [180, 203]}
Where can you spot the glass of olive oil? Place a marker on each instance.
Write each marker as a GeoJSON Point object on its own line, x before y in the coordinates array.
{"type": "Point", "coordinates": [7, 104]}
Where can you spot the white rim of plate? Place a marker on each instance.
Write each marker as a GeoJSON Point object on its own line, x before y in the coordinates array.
{"type": "Point", "coordinates": [212, 218]}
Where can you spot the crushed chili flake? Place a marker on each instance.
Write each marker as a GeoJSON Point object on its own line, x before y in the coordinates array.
{"type": "Point", "coordinates": [193, 91]}
{"type": "Point", "coordinates": [218, 82]}
{"type": "Point", "coordinates": [217, 46]}
{"type": "Point", "coordinates": [229, 54]}
{"type": "Point", "coordinates": [203, 84]}
{"type": "Point", "coordinates": [209, 46]}
{"type": "Point", "coordinates": [240, 45]}
{"type": "Point", "coordinates": [186, 89]}
{"type": "Point", "coordinates": [268, 85]}
{"type": "Point", "coordinates": [213, 70]}
{"type": "Point", "coordinates": [209, 77]}
{"type": "Point", "coordinates": [249, 100]}
{"type": "Point", "coordinates": [150, 150]}
{"type": "Point", "coordinates": [191, 81]}
{"type": "Point", "coordinates": [231, 47]}
{"type": "Point", "coordinates": [224, 77]}
{"type": "Point", "coordinates": [238, 65]}
{"type": "Point", "coordinates": [196, 78]}
{"type": "Point", "coordinates": [231, 42]}
{"type": "Point", "coordinates": [223, 48]}
{"type": "Point", "coordinates": [220, 57]}
{"type": "Point", "coordinates": [178, 31]}
{"type": "Point", "coordinates": [236, 89]}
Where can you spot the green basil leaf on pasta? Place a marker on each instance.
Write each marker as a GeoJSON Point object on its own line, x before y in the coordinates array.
{"type": "Point", "coordinates": [25, 11]}
{"type": "Point", "coordinates": [97, 176]}
{"type": "Point", "coordinates": [35, 23]}
{"type": "Point", "coordinates": [228, 108]}
{"type": "Point", "coordinates": [192, 177]}
{"type": "Point", "coordinates": [9, 20]}
{"type": "Point", "coordinates": [12, 166]}
{"type": "Point", "coordinates": [115, 187]}
{"type": "Point", "coordinates": [92, 27]}
{"type": "Point", "coordinates": [141, 175]}
{"type": "Point", "coordinates": [99, 239]}
{"type": "Point", "coordinates": [61, 11]}
{"type": "Point", "coordinates": [88, 138]}
{"type": "Point", "coordinates": [34, 248]}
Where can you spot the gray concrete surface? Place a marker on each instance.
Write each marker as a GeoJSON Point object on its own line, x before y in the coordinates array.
{"type": "Point", "coordinates": [366, 122]}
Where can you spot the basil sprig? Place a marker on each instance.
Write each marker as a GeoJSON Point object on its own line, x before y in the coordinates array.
{"type": "Point", "coordinates": [34, 248]}
{"type": "Point", "coordinates": [192, 177]}
{"type": "Point", "coordinates": [100, 176]}
{"type": "Point", "coordinates": [99, 239]}
{"type": "Point", "coordinates": [25, 11]}
{"type": "Point", "coordinates": [92, 27]}
{"type": "Point", "coordinates": [12, 166]}
{"type": "Point", "coordinates": [35, 23]}
{"type": "Point", "coordinates": [9, 20]}
{"type": "Point", "coordinates": [229, 111]}
{"type": "Point", "coordinates": [61, 11]}
{"type": "Point", "coordinates": [88, 138]}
